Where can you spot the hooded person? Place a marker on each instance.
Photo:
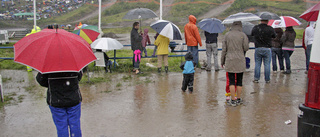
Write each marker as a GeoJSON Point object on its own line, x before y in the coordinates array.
{"type": "Point", "coordinates": [162, 44]}
{"type": "Point", "coordinates": [276, 50]}
{"type": "Point", "coordinates": [192, 37]}
{"type": "Point", "coordinates": [145, 40]}
{"type": "Point", "coordinates": [136, 46]}
{"type": "Point", "coordinates": [234, 45]}
{"type": "Point", "coordinates": [188, 72]}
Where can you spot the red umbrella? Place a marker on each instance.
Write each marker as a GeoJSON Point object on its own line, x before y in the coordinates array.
{"type": "Point", "coordinates": [288, 21]}
{"type": "Point", "coordinates": [53, 50]}
{"type": "Point", "coordinates": [311, 14]}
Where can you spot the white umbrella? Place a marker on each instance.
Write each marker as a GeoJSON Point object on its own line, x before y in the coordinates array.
{"type": "Point", "coordinates": [167, 28]}
{"type": "Point", "coordinates": [106, 44]}
{"type": "Point", "coordinates": [241, 16]}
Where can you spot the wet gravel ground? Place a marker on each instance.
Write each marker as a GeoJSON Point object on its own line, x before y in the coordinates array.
{"type": "Point", "coordinates": [153, 105]}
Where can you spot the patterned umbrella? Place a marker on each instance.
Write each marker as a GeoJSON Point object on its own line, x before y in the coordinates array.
{"type": "Point", "coordinates": [311, 14]}
{"type": "Point", "coordinates": [241, 17]}
{"type": "Point", "coordinates": [88, 33]}
{"type": "Point", "coordinates": [167, 29]}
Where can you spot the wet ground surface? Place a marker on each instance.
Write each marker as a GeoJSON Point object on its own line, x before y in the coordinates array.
{"type": "Point", "coordinates": [154, 106]}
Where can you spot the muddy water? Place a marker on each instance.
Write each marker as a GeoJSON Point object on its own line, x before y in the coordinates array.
{"type": "Point", "coordinates": [153, 105]}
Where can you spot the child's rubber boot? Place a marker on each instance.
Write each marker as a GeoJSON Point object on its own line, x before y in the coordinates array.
{"type": "Point", "coordinates": [166, 69]}
{"type": "Point", "coordinates": [159, 70]}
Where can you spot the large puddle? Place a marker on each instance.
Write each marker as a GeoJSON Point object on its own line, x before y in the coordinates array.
{"type": "Point", "coordinates": [128, 105]}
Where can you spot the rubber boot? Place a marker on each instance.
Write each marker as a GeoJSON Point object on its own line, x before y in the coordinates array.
{"type": "Point", "coordinates": [159, 70]}
{"type": "Point", "coordinates": [166, 69]}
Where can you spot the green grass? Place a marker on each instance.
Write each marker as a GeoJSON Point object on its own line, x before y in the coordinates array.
{"type": "Point", "coordinates": [9, 64]}
{"type": "Point", "coordinates": [299, 33]}
{"type": "Point", "coordinates": [8, 99]}
{"type": "Point", "coordinates": [125, 7]}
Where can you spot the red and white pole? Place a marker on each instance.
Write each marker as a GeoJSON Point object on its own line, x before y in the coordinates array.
{"type": "Point", "coordinates": [313, 91]}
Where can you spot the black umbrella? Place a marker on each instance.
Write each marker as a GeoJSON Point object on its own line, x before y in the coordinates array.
{"type": "Point", "coordinates": [247, 29]}
{"type": "Point", "coordinates": [268, 16]}
{"type": "Point", "coordinates": [140, 13]}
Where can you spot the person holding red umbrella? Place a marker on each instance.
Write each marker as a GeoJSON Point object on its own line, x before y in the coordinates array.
{"type": "Point", "coordinates": [59, 62]}
{"type": "Point", "coordinates": [288, 39]}
{"type": "Point", "coordinates": [308, 41]}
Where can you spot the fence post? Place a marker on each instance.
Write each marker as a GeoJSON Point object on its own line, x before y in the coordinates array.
{"type": "Point", "coordinates": [114, 57]}
{"type": "Point", "coordinates": [1, 89]}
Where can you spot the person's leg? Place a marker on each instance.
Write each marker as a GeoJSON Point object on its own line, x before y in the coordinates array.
{"type": "Point", "coordinates": [133, 61]}
{"type": "Point", "coordinates": [228, 94]}
{"type": "Point", "coordinates": [232, 85]}
{"type": "Point", "coordinates": [154, 51]}
{"type": "Point", "coordinates": [145, 51]}
{"type": "Point", "coordinates": [190, 82]}
{"type": "Point", "coordinates": [74, 114]}
{"type": "Point", "coordinates": [60, 119]}
{"type": "Point", "coordinates": [160, 57]}
{"type": "Point", "coordinates": [280, 58]}
{"type": "Point", "coordinates": [239, 77]}
{"type": "Point", "coordinates": [266, 63]}
{"type": "Point", "coordinates": [286, 55]}
{"type": "Point", "coordinates": [308, 51]}
{"type": "Point", "coordinates": [257, 68]}
{"type": "Point", "coordinates": [165, 58]}
{"type": "Point", "coordinates": [196, 54]}
{"type": "Point", "coordinates": [209, 53]}
{"type": "Point", "coordinates": [274, 61]}
{"type": "Point", "coordinates": [184, 82]}
{"type": "Point", "coordinates": [215, 56]}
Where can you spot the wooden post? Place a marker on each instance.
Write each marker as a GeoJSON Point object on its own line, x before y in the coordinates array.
{"type": "Point", "coordinates": [1, 89]}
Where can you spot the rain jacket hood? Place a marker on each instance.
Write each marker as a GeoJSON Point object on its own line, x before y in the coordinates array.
{"type": "Point", "coordinates": [191, 33]}
{"type": "Point", "coordinates": [145, 38]}
{"type": "Point", "coordinates": [192, 19]}
{"type": "Point", "coordinates": [236, 26]}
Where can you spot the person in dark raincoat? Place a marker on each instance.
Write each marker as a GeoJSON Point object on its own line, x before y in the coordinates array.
{"type": "Point", "coordinates": [136, 46]}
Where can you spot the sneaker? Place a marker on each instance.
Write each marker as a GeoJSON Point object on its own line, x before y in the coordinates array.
{"type": "Point", "coordinates": [255, 81]}
{"type": "Point", "coordinates": [287, 72]}
{"type": "Point", "coordinates": [166, 69]}
{"type": "Point", "coordinates": [268, 81]}
{"type": "Point", "coordinates": [227, 98]}
{"type": "Point", "coordinates": [216, 70]}
{"type": "Point", "coordinates": [282, 71]}
{"type": "Point", "coordinates": [275, 72]}
{"type": "Point", "coordinates": [159, 70]}
{"type": "Point", "coordinates": [233, 102]}
{"type": "Point", "coordinates": [239, 101]}
{"type": "Point", "coordinates": [306, 72]}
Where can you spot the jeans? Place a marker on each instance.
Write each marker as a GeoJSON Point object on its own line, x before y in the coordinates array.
{"type": "Point", "coordinates": [287, 54]}
{"type": "Point", "coordinates": [277, 52]}
{"type": "Point", "coordinates": [194, 51]}
{"type": "Point", "coordinates": [154, 51]}
{"type": "Point", "coordinates": [212, 48]}
{"type": "Point", "coordinates": [262, 54]}
{"type": "Point", "coordinates": [308, 51]}
{"type": "Point", "coordinates": [67, 118]}
{"type": "Point", "coordinates": [145, 51]}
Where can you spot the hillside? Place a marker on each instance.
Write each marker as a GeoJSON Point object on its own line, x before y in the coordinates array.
{"type": "Point", "coordinates": [176, 11]}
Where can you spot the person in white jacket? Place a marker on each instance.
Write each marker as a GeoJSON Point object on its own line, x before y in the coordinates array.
{"type": "Point", "coordinates": [308, 41]}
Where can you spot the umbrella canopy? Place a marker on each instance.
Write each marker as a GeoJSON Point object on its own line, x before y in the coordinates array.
{"type": "Point", "coordinates": [288, 21]}
{"type": "Point", "coordinates": [311, 14]}
{"type": "Point", "coordinates": [167, 29]}
{"type": "Point", "coordinates": [89, 33]}
{"type": "Point", "coordinates": [247, 28]}
{"type": "Point", "coordinates": [276, 24]}
{"type": "Point", "coordinates": [211, 25]}
{"type": "Point", "coordinates": [241, 17]}
{"type": "Point", "coordinates": [51, 50]}
{"type": "Point", "coordinates": [140, 13]}
{"type": "Point", "coordinates": [267, 16]}
{"type": "Point", "coordinates": [106, 44]}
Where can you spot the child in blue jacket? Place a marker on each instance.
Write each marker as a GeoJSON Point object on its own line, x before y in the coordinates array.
{"type": "Point", "coordinates": [188, 72]}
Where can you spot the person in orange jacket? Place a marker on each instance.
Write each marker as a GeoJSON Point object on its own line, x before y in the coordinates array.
{"type": "Point", "coordinates": [192, 37]}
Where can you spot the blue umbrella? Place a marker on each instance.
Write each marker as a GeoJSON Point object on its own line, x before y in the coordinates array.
{"type": "Point", "coordinates": [211, 25]}
{"type": "Point", "coordinates": [167, 29]}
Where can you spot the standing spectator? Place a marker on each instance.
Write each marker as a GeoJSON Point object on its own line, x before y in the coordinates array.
{"type": "Point", "coordinates": [192, 37]}
{"type": "Point", "coordinates": [188, 72]}
{"type": "Point", "coordinates": [234, 46]}
{"type": "Point", "coordinates": [263, 35]}
{"type": "Point", "coordinates": [136, 46]}
{"type": "Point", "coordinates": [212, 48]}
{"type": "Point", "coordinates": [308, 41]}
{"type": "Point", "coordinates": [277, 51]}
{"type": "Point", "coordinates": [162, 43]}
{"type": "Point", "coordinates": [64, 100]}
{"type": "Point", "coordinates": [288, 46]}
{"type": "Point", "coordinates": [145, 40]}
